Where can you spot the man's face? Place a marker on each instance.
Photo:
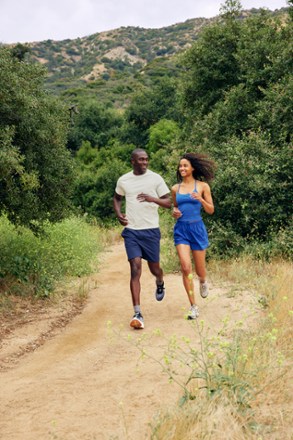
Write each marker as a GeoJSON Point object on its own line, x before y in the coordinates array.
{"type": "Point", "coordinates": [140, 162]}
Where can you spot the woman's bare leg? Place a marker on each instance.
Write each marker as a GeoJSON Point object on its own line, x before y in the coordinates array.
{"type": "Point", "coordinates": [199, 258]}
{"type": "Point", "coordinates": [183, 251]}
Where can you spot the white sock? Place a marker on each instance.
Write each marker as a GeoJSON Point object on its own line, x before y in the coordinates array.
{"type": "Point", "coordinates": [137, 309]}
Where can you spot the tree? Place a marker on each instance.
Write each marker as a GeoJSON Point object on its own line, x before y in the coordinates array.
{"type": "Point", "coordinates": [237, 98]}
{"type": "Point", "coordinates": [258, 57]}
{"type": "Point", "coordinates": [231, 9]}
{"type": "Point", "coordinates": [19, 51]}
{"type": "Point", "coordinates": [96, 179]}
{"type": "Point", "coordinates": [86, 154]}
{"type": "Point", "coordinates": [147, 107]}
{"type": "Point", "coordinates": [162, 134]}
{"type": "Point", "coordinates": [274, 113]}
{"type": "Point", "coordinates": [94, 123]}
{"type": "Point", "coordinates": [37, 171]}
{"type": "Point", "coordinates": [210, 68]}
{"type": "Point", "coordinates": [253, 186]}
{"type": "Point", "coordinates": [264, 53]}
{"type": "Point", "coordinates": [290, 3]}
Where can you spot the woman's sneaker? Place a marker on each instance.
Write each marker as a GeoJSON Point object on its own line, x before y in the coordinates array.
{"type": "Point", "coordinates": [203, 289]}
{"type": "Point", "coordinates": [193, 312]}
{"type": "Point", "coordinates": [137, 321]}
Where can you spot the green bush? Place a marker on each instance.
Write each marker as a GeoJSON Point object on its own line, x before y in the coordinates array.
{"type": "Point", "coordinates": [36, 170]}
{"type": "Point", "coordinates": [252, 186]}
{"type": "Point", "coordinates": [224, 241]}
{"type": "Point", "coordinates": [280, 245]}
{"type": "Point", "coordinates": [95, 185]}
{"type": "Point", "coordinates": [31, 264]}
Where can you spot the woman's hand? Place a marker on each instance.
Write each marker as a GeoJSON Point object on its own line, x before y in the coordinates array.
{"type": "Point", "coordinates": [176, 213]}
{"type": "Point", "coordinates": [196, 196]}
{"type": "Point", "coordinates": [204, 197]}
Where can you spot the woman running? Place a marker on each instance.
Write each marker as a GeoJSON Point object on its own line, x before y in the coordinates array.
{"type": "Point", "coordinates": [189, 195]}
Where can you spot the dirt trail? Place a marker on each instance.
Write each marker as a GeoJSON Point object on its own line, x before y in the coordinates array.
{"type": "Point", "coordinates": [84, 385]}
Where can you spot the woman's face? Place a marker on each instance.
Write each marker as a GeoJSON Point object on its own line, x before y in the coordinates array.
{"type": "Point", "coordinates": [185, 168]}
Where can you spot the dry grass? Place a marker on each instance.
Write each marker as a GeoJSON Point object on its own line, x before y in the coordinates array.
{"type": "Point", "coordinates": [214, 419]}
{"type": "Point", "coordinates": [264, 363]}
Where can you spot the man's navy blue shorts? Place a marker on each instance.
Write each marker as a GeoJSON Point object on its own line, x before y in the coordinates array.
{"type": "Point", "coordinates": [144, 243]}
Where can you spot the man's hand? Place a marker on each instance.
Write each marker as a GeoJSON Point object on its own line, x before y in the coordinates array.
{"type": "Point", "coordinates": [122, 219]}
{"type": "Point", "coordinates": [144, 198]}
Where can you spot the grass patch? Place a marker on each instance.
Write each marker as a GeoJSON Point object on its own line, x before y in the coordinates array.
{"type": "Point", "coordinates": [33, 264]}
{"type": "Point", "coordinates": [236, 387]}
{"type": "Point", "coordinates": [248, 392]}
{"type": "Point", "coordinates": [235, 383]}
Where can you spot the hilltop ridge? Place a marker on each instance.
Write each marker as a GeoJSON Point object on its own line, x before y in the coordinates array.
{"type": "Point", "coordinates": [108, 58]}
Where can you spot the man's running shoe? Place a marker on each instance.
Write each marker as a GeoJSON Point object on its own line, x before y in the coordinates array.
{"type": "Point", "coordinates": [203, 289]}
{"type": "Point", "coordinates": [137, 321]}
{"type": "Point", "coordinates": [193, 312]}
{"type": "Point", "coordinates": [160, 292]}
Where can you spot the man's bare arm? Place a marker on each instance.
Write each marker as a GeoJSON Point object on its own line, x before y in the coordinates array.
{"type": "Point", "coordinates": [164, 201]}
{"type": "Point", "coordinates": [117, 202]}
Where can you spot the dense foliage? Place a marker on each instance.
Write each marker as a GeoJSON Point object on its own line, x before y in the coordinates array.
{"type": "Point", "coordinates": [32, 264]}
{"type": "Point", "coordinates": [96, 180]}
{"type": "Point", "coordinates": [244, 120]}
{"type": "Point", "coordinates": [229, 95]}
{"type": "Point", "coordinates": [36, 170]}
{"type": "Point", "coordinates": [94, 123]}
{"type": "Point", "coordinates": [233, 101]}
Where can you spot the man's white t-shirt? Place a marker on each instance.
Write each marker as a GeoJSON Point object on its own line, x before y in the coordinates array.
{"type": "Point", "coordinates": [141, 215]}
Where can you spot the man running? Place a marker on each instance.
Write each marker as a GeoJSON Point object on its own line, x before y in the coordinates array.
{"type": "Point", "coordinates": [144, 192]}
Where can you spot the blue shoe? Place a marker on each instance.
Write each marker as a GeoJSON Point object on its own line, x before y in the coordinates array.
{"type": "Point", "coordinates": [160, 292]}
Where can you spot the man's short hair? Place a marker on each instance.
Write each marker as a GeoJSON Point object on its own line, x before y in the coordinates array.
{"type": "Point", "coordinates": [137, 151]}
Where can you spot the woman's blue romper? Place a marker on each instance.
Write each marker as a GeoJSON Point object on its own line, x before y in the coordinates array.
{"type": "Point", "coordinates": [190, 228]}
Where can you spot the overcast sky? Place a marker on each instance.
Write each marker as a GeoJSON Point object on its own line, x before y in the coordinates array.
{"type": "Point", "coordinates": [38, 20]}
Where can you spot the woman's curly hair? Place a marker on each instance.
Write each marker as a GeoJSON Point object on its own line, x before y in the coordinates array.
{"type": "Point", "coordinates": [203, 166]}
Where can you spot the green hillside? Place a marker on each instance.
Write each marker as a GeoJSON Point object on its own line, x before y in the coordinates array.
{"type": "Point", "coordinates": [112, 64]}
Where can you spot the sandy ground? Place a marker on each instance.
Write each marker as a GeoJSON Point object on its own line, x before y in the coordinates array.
{"type": "Point", "coordinates": [86, 382]}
